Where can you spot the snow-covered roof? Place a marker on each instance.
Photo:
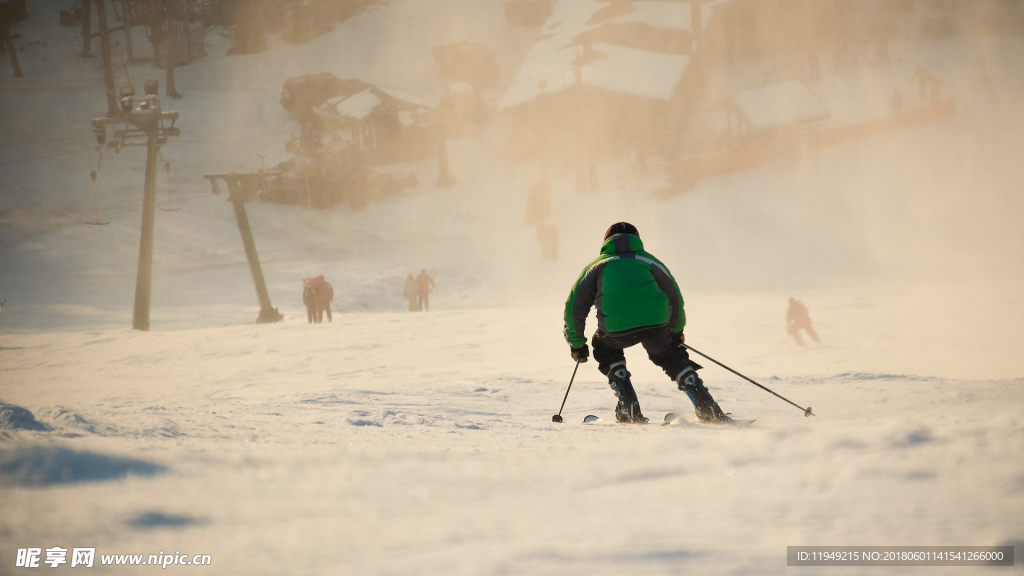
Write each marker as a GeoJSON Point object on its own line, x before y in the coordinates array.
{"type": "Point", "coordinates": [460, 88]}
{"type": "Point", "coordinates": [549, 66]}
{"type": "Point", "coordinates": [359, 105]}
{"type": "Point", "coordinates": [662, 14]}
{"type": "Point", "coordinates": [421, 98]}
{"type": "Point", "coordinates": [710, 6]}
{"type": "Point", "coordinates": [636, 72]}
{"type": "Point", "coordinates": [356, 106]}
{"type": "Point", "coordinates": [779, 104]}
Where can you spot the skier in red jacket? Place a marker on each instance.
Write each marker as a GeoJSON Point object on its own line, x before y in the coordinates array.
{"type": "Point", "coordinates": [324, 296]}
{"type": "Point", "coordinates": [424, 283]}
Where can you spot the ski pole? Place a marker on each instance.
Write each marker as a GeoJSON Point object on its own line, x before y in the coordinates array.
{"type": "Point", "coordinates": [807, 411]}
{"type": "Point", "coordinates": [558, 417]}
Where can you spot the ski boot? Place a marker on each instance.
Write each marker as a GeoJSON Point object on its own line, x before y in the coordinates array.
{"type": "Point", "coordinates": [704, 405]}
{"type": "Point", "coordinates": [628, 409]}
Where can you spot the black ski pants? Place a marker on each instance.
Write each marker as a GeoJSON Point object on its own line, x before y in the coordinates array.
{"type": "Point", "coordinates": [657, 340]}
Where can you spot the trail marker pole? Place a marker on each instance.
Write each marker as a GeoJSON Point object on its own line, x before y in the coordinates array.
{"type": "Point", "coordinates": [95, 201]}
{"type": "Point", "coordinates": [167, 168]}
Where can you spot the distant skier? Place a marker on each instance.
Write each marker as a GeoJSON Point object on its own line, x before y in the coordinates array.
{"type": "Point", "coordinates": [538, 201]}
{"type": "Point", "coordinates": [936, 87]}
{"type": "Point", "coordinates": [411, 291]}
{"type": "Point", "coordinates": [641, 158]}
{"type": "Point", "coordinates": [921, 74]}
{"type": "Point", "coordinates": [309, 299]}
{"type": "Point", "coordinates": [897, 102]}
{"type": "Point", "coordinates": [575, 162]}
{"type": "Point", "coordinates": [547, 237]}
{"type": "Point", "coordinates": [424, 283]}
{"type": "Point", "coordinates": [638, 302]}
{"type": "Point", "coordinates": [638, 161]}
{"type": "Point", "coordinates": [982, 65]}
{"type": "Point", "coordinates": [324, 296]}
{"type": "Point", "coordinates": [798, 318]}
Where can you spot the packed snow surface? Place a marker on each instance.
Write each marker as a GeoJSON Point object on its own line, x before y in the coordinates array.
{"type": "Point", "coordinates": [387, 442]}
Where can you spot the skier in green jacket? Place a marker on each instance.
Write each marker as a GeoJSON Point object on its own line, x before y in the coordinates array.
{"type": "Point", "coordinates": [638, 302]}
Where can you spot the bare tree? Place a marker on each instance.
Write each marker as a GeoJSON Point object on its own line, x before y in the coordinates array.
{"type": "Point", "coordinates": [127, 17]}
{"type": "Point", "coordinates": [5, 37]}
{"type": "Point", "coordinates": [108, 66]}
{"type": "Point", "coordinates": [155, 28]}
{"type": "Point", "coordinates": [86, 28]}
{"type": "Point", "coordinates": [172, 45]}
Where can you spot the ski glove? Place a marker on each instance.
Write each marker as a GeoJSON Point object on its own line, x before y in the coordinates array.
{"type": "Point", "coordinates": [678, 340]}
{"type": "Point", "coordinates": [581, 354]}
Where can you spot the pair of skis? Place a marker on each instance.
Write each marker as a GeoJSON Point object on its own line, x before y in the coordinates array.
{"type": "Point", "coordinates": [672, 417]}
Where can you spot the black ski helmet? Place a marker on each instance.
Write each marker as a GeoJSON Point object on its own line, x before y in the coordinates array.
{"type": "Point", "coordinates": [621, 228]}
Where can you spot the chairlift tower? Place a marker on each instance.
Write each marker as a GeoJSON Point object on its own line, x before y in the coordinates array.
{"type": "Point", "coordinates": [143, 125]}
{"type": "Point", "coordinates": [241, 186]}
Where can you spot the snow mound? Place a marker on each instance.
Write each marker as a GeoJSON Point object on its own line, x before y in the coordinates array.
{"type": "Point", "coordinates": [912, 438]}
{"type": "Point", "coordinates": [151, 520]}
{"type": "Point", "coordinates": [48, 465]}
{"type": "Point", "coordinates": [17, 418]}
{"type": "Point", "coordinates": [384, 418]}
{"type": "Point", "coordinates": [71, 424]}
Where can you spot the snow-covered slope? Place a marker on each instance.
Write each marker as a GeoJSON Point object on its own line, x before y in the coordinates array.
{"type": "Point", "coordinates": [398, 443]}
{"type": "Point", "coordinates": [395, 443]}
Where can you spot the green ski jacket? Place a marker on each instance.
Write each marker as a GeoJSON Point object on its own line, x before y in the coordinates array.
{"type": "Point", "coordinates": [630, 288]}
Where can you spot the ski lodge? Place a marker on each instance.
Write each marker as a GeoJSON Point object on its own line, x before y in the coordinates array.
{"type": "Point", "coordinates": [697, 77]}
{"type": "Point", "coordinates": [389, 125]}
{"type": "Point", "coordinates": [601, 72]}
